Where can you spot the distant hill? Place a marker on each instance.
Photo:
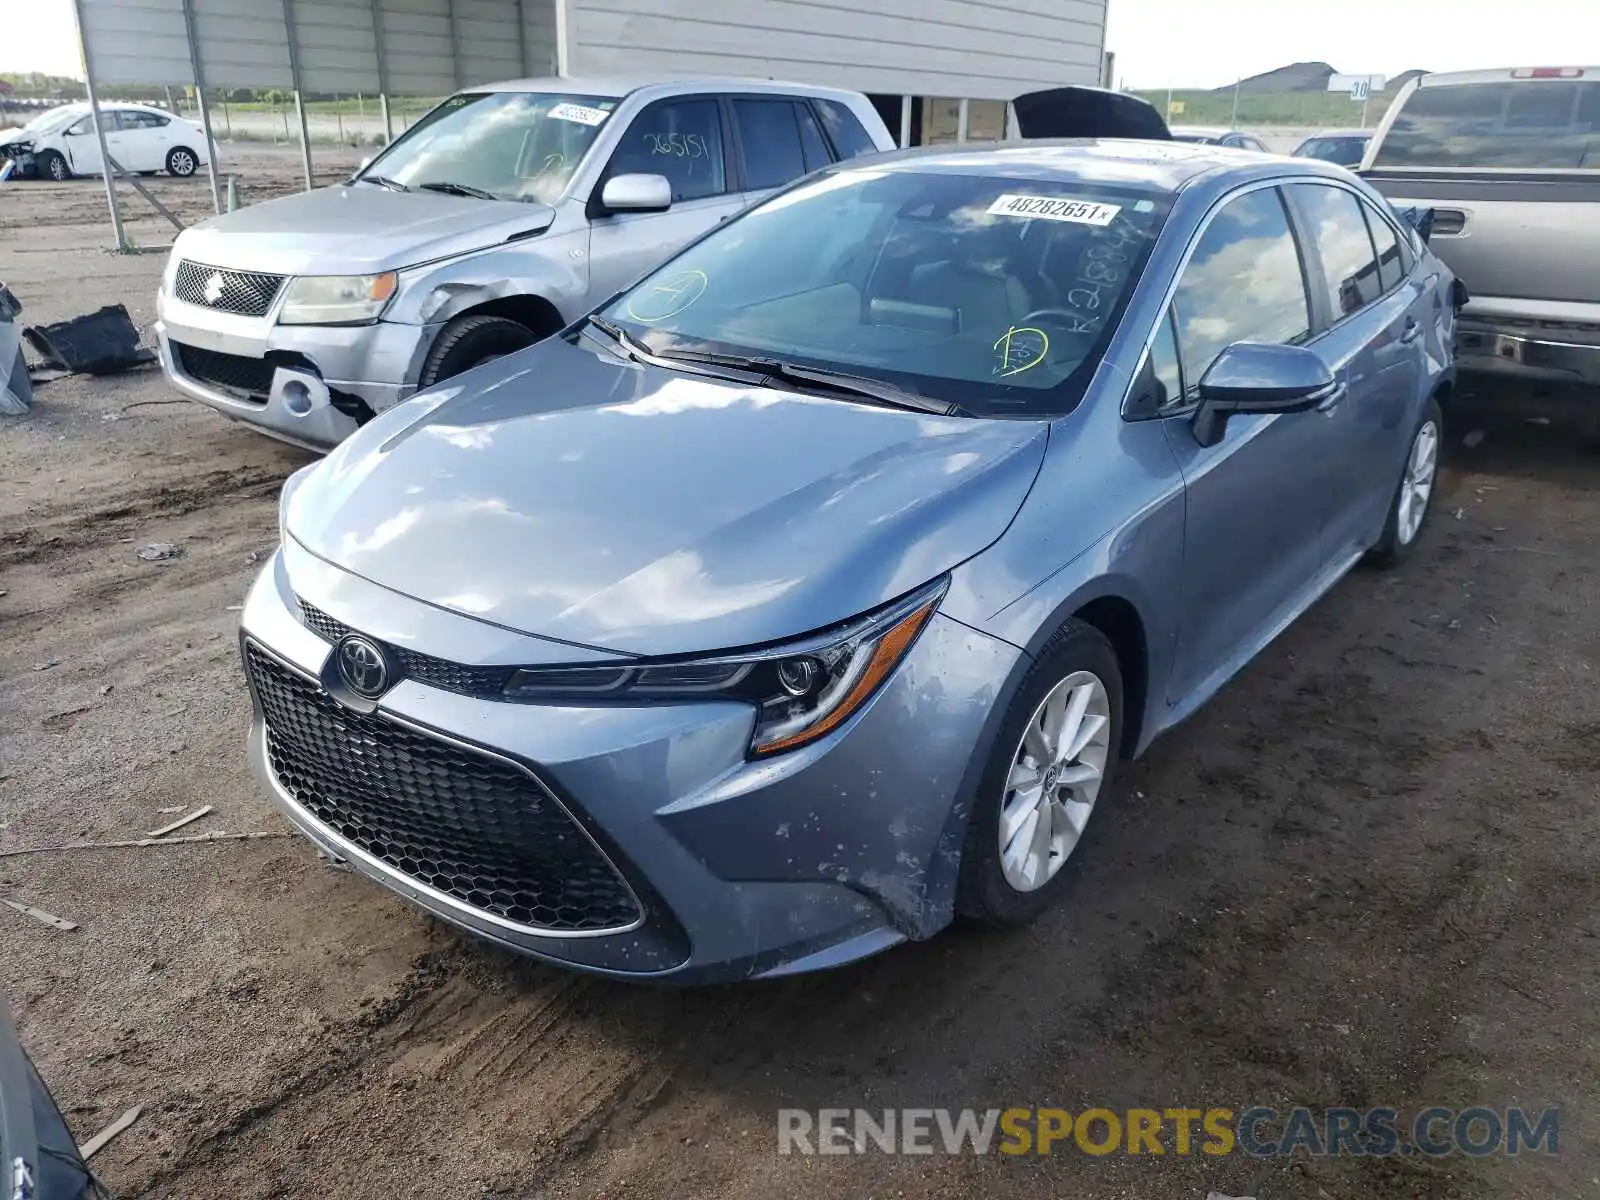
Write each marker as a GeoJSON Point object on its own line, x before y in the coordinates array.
{"type": "Point", "coordinates": [1302, 77]}
{"type": "Point", "coordinates": [1296, 77]}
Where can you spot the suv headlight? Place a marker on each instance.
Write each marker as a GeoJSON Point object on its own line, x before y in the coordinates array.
{"type": "Point", "coordinates": [337, 299]}
{"type": "Point", "coordinates": [802, 690]}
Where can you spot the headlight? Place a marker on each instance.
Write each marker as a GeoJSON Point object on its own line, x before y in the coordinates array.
{"type": "Point", "coordinates": [337, 299]}
{"type": "Point", "coordinates": [802, 690]}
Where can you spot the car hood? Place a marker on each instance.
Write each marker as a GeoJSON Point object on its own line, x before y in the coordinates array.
{"type": "Point", "coordinates": [563, 493]}
{"type": "Point", "coordinates": [357, 229]}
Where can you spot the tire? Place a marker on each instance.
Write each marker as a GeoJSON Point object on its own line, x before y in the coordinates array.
{"type": "Point", "coordinates": [182, 162]}
{"type": "Point", "coordinates": [987, 893]}
{"type": "Point", "coordinates": [1402, 529]}
{"type": "Point", "coordinates": [52, 166]}
{"type": "Point", "coordinates": [468, 342]}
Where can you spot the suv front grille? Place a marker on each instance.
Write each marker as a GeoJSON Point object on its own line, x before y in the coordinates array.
{"type": "Point", "coordinates": [247, 293]}
{"type": "Point", "coordinates": [232, 372]}
{"type": "Point", "coordinates": [487, 683]}
{"type": "Point", "coordinates": [474, 827]}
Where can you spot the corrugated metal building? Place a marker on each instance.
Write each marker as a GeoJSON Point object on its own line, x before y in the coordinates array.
{"type": "Point", "coordinates": [937, 70]}
{"type": "Point", "coordinates": [937, 52]}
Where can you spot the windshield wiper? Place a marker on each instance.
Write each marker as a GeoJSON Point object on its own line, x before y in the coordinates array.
{"type": "Point", "coordinates": [394, 185]}
{"type": "Point", "coordinates": [459, 189]}
{"type": "Point", "coordinates": [630, 348]}
{"type": "Point", "coordinates": [833, 381]}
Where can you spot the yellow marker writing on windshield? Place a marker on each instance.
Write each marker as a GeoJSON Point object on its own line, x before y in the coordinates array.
{"type": "Point", "coordinates": [1037, 343]}
{"type": "Point", "coordinates": [667, 297]}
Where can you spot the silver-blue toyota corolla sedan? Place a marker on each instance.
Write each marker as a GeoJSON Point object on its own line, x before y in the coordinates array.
{"type": "Point", "coordinates": [805, 596]}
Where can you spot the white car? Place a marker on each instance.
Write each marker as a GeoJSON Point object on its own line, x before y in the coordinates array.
{"type": "Point", "coordinates": [62, 141]}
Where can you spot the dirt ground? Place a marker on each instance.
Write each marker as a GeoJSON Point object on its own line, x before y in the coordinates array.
{"type": "Point", "coordinates": [1364, 875]}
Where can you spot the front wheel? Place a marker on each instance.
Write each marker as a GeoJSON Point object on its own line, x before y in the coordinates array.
{"type": "Point", "coordinates": [1408, 510]}
{"type": "Point", "coordinates": [1051, 763]}
{"type": "Point", "coordinates": [469, 342]}
{"type": "Point", "coordinates": [182, 162]}
{"type": "Point", "coordinates": [53, 166]}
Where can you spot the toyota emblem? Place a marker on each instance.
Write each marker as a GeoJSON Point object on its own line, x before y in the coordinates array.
{"type": "Point", "coordinates": [363, 667]}
{"type": "Point", "coordinates": [214, 287]}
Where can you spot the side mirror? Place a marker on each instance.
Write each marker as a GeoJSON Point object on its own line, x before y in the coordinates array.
{"type": "Point", "coordinates": [1254, 378]}
{"type": "Point", "coordinates": [636, 193]}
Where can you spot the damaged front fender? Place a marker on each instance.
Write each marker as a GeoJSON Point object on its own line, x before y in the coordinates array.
{"type": "Point", "coordinates": [555, 270]}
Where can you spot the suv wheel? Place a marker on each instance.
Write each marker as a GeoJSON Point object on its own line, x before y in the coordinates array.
{"type": "Point", "coordinates": [469, 342]}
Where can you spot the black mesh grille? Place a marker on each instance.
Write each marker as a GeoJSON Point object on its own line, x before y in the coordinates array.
{"type": "Point", "coordinates": [235, 372]}
{"type": "Point", "coordinates": [484, 682]}
{"type": "Point", "coordinates": [468, 825]}
{"type": "Point", "coordinates": [248, 293]}
{"type": "Point", "coordinates": [321, 623]}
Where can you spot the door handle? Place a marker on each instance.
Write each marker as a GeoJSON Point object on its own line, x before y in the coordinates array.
{"type": "Point", "coordinates": [1413, 331]}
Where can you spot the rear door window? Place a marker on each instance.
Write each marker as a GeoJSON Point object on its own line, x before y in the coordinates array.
{"type": "Point", "coordinates": [1244, 284]}
{"type": "Point", "coordinates": [1528, 124]}
{"type": "Point", "coordinates": [1390, 267]}
{"type": "Point", "coordinates": [811, 139]}
{"type": "Point", "coordinates": [1349, 263]}
{"type": "Point", "coordinates": [848, 135]}
{"type": "Point", "coordinates": [770, 135]}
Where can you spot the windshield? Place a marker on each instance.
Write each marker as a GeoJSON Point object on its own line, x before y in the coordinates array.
{"type": "Point", "coordinates": [997, 294]}
{"type": "Point", "coordinates": [1553, 125]}
{"type": "Point", "coordinates": [508, 145]}
{"type": "Point", "coordinates": [49, 121]}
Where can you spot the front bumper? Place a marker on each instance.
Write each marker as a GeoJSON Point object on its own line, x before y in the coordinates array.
{"type": "Point", "coordinates": [744, 869]}
{"type": "Point", "coordinates": [309, 367]}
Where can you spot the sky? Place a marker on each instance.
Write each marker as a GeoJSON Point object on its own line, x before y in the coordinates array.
{"type": "Point", "coordinates": [1210, 43]}
{"type": "Point", "coordinates": [1173, 43]}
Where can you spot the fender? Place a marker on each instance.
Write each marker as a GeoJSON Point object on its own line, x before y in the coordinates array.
{"type": "Point", "coordinates": [555, 269]}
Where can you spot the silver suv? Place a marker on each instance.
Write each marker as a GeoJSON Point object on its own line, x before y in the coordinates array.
{"type": "Point", "coordinates": [500, 217]}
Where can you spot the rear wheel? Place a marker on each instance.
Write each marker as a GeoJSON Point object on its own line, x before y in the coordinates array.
{"type": "Point", "coordinates": [1051, 763]}
{"type": "Point", "coordinates": [469, 342]}
{"type": "Point", "coordinates": [1413, 497]}
{"type": "Point", "coordinates": [53, 166]}
{"type": "Point", "coordinates": [182, 162]}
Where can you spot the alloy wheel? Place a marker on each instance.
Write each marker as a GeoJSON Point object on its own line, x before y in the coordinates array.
{"type": "Point", "coordinates": [1416, 485]}
{"type": "Point", "coordinates": [1054, 781]}
{"type": "Point", "coordinates": [182, 163]}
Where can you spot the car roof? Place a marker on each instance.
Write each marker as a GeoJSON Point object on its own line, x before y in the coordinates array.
{"type": "Point", "coordinates": [1340, 133]}
{"type": "Point", "coordinates": [1163, 166]}
{"type": "Point", "coordinates": [618, 86]}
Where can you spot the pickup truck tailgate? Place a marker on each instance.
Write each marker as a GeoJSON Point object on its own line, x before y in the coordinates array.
{"type": "Point", "coordinates": [1510, 236]}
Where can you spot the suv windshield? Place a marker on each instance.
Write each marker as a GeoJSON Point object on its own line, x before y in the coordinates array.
{"type": "Point", "coordinates": [997, 294]}
{"type": "Point", "coordinates": [502, 145]}
{"type": "Point", "coordinates": [1553, 125]}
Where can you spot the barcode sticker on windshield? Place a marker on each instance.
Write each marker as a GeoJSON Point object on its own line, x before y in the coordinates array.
{"type": "Point", "coordinates": [580, 113]}
{"type": "Point", "coordinates": [1079, 212]}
